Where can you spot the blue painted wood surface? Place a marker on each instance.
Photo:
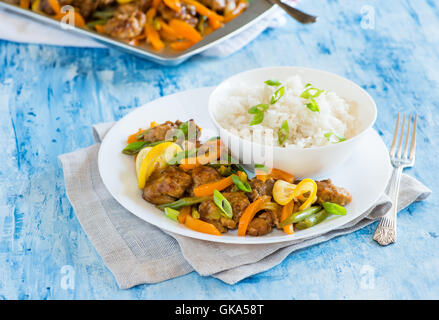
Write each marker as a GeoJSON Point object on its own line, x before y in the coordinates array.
{"type": "Point", "coordinates": [50, 96]}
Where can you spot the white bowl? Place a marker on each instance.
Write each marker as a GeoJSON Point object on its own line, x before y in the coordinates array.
{"type": "Point", "coordinates": [314, 161]}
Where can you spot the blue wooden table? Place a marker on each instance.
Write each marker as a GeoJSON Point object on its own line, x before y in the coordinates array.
{"type": "Point", "coordinates": [50, 96]}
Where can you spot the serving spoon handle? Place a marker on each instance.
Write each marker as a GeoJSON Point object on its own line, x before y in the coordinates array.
{"type": "Point", "coordinates": [300, 16]}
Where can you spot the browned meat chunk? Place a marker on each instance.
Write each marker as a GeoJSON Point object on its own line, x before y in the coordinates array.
{"type": "Point", "coordinates": [204, 174]}
{"type": "Point", "coordinates": [168, 131]}
{"type": "Point", "coordinates": [127, 22]}
{"type": "Point", "coordinates": [258, 227]}
{"type": "Point", "coordinates": [166, 185]}
{"type": "Point", "coordinates": [238, 201]}
{"type": "Point", "coordinates": [210, 213]}
{"type": "Point", "coordinates": [260, 188]}
{"type": "Point", "coordinates": [160, 132]}
{"type": "Point", "coordinates": [327, 192]}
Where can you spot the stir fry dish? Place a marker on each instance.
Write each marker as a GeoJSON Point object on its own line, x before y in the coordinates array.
{"type": "Point", "coordinates": [200, 185]}
{"type": "Point", "coordinates": [155, 24]}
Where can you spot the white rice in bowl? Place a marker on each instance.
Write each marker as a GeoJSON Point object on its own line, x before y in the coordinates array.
{"type": "Point", "coordinates": [334, 122]}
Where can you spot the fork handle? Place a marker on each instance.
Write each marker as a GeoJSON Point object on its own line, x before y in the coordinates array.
{"type": "Point", "coordinates": [385, 233]}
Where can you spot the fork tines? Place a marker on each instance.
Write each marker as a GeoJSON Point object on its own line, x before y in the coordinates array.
{"type": "Point", "coordinates": [401, 138]}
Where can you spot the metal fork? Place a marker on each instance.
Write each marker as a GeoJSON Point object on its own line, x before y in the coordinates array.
{"type": "Point", "coordinates": [386, 230]}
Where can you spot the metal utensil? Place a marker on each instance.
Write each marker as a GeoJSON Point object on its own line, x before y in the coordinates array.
{"type": "Point", "coordinates": [300, 16]}
{"type": "Point", "coordinates": [386, 230]}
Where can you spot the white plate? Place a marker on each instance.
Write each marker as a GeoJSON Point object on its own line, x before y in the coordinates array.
{"type": "Point", "coordinates": [365, 174]}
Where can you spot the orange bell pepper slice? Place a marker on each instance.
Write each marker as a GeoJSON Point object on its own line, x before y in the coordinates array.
{"type": "Point", "coordinates": [181, 45]}
{"type": "Point", "coordinates": [204, 11]}
{"type": "Point", "coordinates": [155, 3]}
{"type": "Point", "coordinates": [100, 28]}
{"type": "Point", "coordinates": [185, 30]}
{"type": "Point", "coordinates": [250, 212]}
{"type": "Point", "coordinates": [24, 4]}
{"type": "Point", "coordinates": [54, 4]}
{"type": "Point", "coordinates": [190, 163]}
{"type": "Point", "coordinates": [184, 212]}
{"type": "Point", "coordinates": [276, 174]}
{"type": "Point", "coordinates": [133, 138]}
{"type": "Point", "coordinates": [208, 188]}
{"type": "Point", "coordinates": [215, 24]}
{"type": "Point", "coordinates": [201, 226]}
{"type": "Point", "coordinates": [173, 4]}
{"type": "Point", "coordinates": [287, 210]}
{"type": "Point", "coordinates": [153, 37]}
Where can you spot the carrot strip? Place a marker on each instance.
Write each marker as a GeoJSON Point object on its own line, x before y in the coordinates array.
{"type": "Point", "coordinates": [287, 210]}
{"type": "Point", "coordinates": [24, 4]}
{"type": "Point", "coordinates": [54, 4]}
{"type": "Point", "coordinates": [184, 212]}
{"type": "Point", "coordinates": [181, 45]}
{"type": "Point", "coordinates": [204, 11]}
{"type": "Point", "coordinates": [208, 188]}
{"type": "Point", "coordinates": [201, 226]}
{"type": "Point", "coordinates": [185, 30]}
{"type": "Point", "coordinates": [249, 213]}
{"type": "Point", "coordinates": [150, 14]}
{"type": "Point", "coordinates": [173, 4]}
{"type": "Point", "coordinates": [133, 138]}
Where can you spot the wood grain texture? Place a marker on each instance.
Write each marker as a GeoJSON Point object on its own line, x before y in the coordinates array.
{"type": "Point", "coordinates": [50, 96]}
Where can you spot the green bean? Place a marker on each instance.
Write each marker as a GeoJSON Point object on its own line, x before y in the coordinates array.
{"type": "Point", "coordinates": [299, 216]}
{"type": "Point", "coordinates": [134, 147]}
{"type": "Point", "coordinates": [312, 220]}
{"type": "Point", "coordinates": [183, 202]}
{"type": "Point", "coordinates": [243, 186]}
{"type": "Point", "coordinates": [334, 208]}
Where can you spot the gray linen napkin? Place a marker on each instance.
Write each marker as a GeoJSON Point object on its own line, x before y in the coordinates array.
{"type": "Point", "coordinates": [137, 252]}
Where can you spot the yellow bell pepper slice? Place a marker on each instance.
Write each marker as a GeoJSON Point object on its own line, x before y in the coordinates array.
{"type": "Point", "coordinates": [156, 158]}
{"type": "Point", "coordinates": [283, 192]}
{"type": "Point", "coordinates": [306, 185]}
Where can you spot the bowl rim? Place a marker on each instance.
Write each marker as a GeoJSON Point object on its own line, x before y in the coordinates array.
{"type": "Point", "coordinates": [334, 145]}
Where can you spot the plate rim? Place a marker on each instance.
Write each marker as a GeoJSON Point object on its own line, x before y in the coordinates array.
{"type": "Point", "coordinates": [169, 227]}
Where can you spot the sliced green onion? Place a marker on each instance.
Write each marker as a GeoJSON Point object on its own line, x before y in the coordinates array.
{"type": "Point", "coordinates": [333, 208]}
{"type": "Point", "coordinates": [277, 95]}
{"type": "Point", "coordinates": [183, 202]}
{"type": "Point", "coordinates": [223, 204]}
{"type": "Point", "coordinates": [242, 185]}
{"type": "Point", "coordinates": [258, 112]}
{"type": "Point", "coordinates": [313, 106]}
{"type": "Point", "coordinates": [273, 83]}
{"type": "Point", "coordinates": [213, 138]}
{"type": "Point", "coordinates": [339, 138]}
{"type": "Point", "coordinates": [258, 108]}
{"type": "Point", "coordinates": [283, 132]}
{"type": "Point", "coordinates": [172, 213]}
